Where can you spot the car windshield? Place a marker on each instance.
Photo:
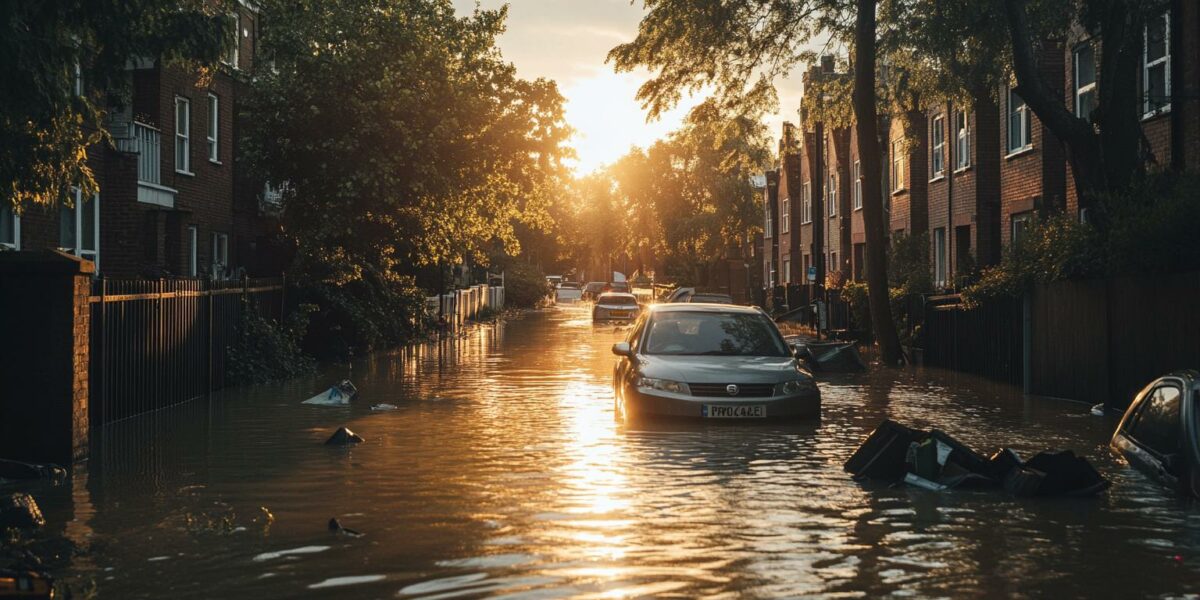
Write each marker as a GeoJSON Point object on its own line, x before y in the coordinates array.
{"type": "Point", "coordinates": [594, 286]}
{"type": "Point", "coordinates": [713, 333]}
{"type": "Point", "coordinates": [617, 300]}
{"type": "Point", "coordinates": [567, 285]}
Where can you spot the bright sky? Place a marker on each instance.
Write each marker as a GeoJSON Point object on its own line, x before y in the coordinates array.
{"type": "Point", "coordinates": [567, 41]}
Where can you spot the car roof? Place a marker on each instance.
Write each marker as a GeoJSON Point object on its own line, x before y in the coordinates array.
{"type": "Point", "coordinates": [709, 308]}
{"type": "Point", "coordinates": [711, 295]}
{"type": "Point", "coordinates": [617, 295]}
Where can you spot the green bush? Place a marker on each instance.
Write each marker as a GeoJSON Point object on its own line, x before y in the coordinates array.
{"type": "Point", "coordinates": [265, 350]}
{"type": "Point", "coordinates": [525, 285]}
{"type": "Point", "coordinates": [908, 275]}
{"type": "Point", "coordinates": [1147, 229]}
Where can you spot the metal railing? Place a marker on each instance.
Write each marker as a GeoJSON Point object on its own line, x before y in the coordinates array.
{"type": "Point", "coordinates": [156, 343]}
{"type": "Point", "coordinates": [145, 141]}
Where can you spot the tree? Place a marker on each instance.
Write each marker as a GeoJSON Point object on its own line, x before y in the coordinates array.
{"type": "Point", "coordinates": [404, 137]}
{"type": "Point", "coordinates": [878, 296]}
{"type": "Point", "coordinates": [49, 51]}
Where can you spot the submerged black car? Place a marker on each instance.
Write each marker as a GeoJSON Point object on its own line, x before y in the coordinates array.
{"type": "Point", "coordinates": [1160, 432]}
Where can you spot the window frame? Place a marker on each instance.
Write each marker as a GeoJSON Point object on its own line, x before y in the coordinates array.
{"type": "Point", "coordinates": [937, 147]}
{"type": "Point", "coordinates": [806, 203]}
{"type": "Point", "coordinates": [786, 277]}
{"type": "Point", "coordinates": [183, 136]}
{"type": "Point", "coordinates": [1084, 89]}
{"type": "Point", "coordinates": [768, 221]}
{"type": "Point", "coordinates": [232, 58]}
{"type": "Point", "coordinates": [16, 228]}
{"type": "Point", "coordinates": [219, 241]}
{"type": "Point", "coordinates": [1023, 219]}
{"type": "Point", "coordinates": [213, 135]}
{"type": "Point", "coordinates": [1131, 429]}
{"type": "Point", "coordinates": [897, 173]}
{"type": "Point", "coordinates": [1026, 127]}
{"type": "Point", "coordinates": [962, 140]}
{"type": "Point", "coordinates": [941, 272]}
{"type": "Point", "coordinates": [857, 193]}
{"type": "Point", "coordinates": [831, 192]}
{"type": "Point", "coordinates": [785, 220]}
{"type": "Point", "coordinates": [1147, 65]}
{"type": "Point", "coordinates": [193, 233]}
{"type": "Point", "coordinates": [93, 253]}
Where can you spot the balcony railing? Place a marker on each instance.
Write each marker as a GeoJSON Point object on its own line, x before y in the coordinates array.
{"type": "Point", "coordinates": [146, 141]}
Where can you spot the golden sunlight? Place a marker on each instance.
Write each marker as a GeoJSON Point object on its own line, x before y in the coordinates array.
{"type": "Point", "coordinates": [608, 120]}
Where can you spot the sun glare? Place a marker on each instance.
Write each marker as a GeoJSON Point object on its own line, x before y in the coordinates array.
{"type": "Point", "coordinates": [608, 120]}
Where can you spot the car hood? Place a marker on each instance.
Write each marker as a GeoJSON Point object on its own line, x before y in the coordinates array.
{"type": "Point", "coordinates": [721, 369]}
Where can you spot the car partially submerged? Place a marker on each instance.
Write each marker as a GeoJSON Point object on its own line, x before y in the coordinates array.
{"type": "Point", "coordinates": [593, 289]}
{"type": "Point", "coordinates": [1160, 431]}
{"type": "Point", "coordinates": [568, 291]}
{"type": "Point", "coordinates": [707, 361]}
{"type": "Point", "coordinates": [613, 306]}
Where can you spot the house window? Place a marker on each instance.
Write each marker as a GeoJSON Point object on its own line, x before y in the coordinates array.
{"type": "Point", "coordinates": [214, 122]}
{"type": "Point", "coordinates": [768, 221]}
{"type": "Point", "coordinates": [1020, 129]}
{"type": "Point", "coordinates": [787, 272]}
{"type": "Point", "coordinates": [937, 134]}
{"type": "Point", "coordinates": [962, 140]}
{"type": "Point", "coordinates": [1020, 223]}
{"type": "Point", "coordinates": [857, 185]}
{"type": "Point", "coordinates": [231, 59]}
{"type": "Point", "coordinates": [897, 166]}
{"type": "Point", "coordinates": [10, 228]}
{"type": "Point", "coordinates": [220, 255]}
{"type": "Point", "coordinates": [939, 257]}
{"type": "Point", "coordinates": [79, 225]}
{"type": "Point", "coordinates": [833, 262]}
{"type": "Point", "coordinates": [831, 195]}
{"type": "Point", "coordinates": [1156, 65]}
{"type": "Point", "coordinates": [193, 236]}
{"type": "Point", "coordinates": [786, 221]}
{"type": "Point", "coordinates": [183, 118]}
{"type": "Point", "coordinates": [806, 203]}
{"type": "Point", "coordinates": [1085, 81]}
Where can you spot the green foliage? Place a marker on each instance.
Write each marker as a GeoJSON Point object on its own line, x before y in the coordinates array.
{"type": "Point", "coordinates": [404, 136]}
{"type": "Point", "coordinates": [908, 264]}
{"type": "Point", "coordinates": [1149, 230]}
{"type": "Point", "coordinates": [265, 350]}
{"type": "Point", "coordinates": [46, 128]}
{"type": "Point", "coordinates": [525, 285]}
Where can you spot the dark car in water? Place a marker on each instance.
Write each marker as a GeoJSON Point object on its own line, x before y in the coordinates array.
{"type": "Point", "coordinates": [593, 289]}
{"type": "Point", "coordinates": [710, 361]}
{"type": "Point", "coordinates": [1160, 432]}
{"type": "Point", "coordinates": [706, 298]}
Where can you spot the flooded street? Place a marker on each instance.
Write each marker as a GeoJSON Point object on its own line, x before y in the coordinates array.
{"type": "Point", "coordinates": [503, 472]}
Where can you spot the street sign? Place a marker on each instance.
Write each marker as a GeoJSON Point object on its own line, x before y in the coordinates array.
{"type": "Point", "coordinates": [812, 273]}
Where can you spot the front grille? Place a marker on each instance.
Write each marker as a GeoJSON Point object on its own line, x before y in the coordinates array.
{"type": "Point", "coordinates": [745, 390]}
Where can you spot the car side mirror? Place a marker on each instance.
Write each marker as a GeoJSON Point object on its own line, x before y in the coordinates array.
{"type": "Point", "coordinates": [622, 349]}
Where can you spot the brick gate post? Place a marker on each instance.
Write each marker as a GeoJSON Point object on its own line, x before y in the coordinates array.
{"type": "Point", "coordinates": [44, 343]}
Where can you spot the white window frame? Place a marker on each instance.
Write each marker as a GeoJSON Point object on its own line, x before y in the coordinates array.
{"type": "Point", "coordinates": [220, 249]}
{"type": "Point", "coordinates": [231, 59]}
{"type": "Point", "coordinates": [858, 185]}
{"type": "Point", "coordinates": [806, 203]}
{"type": "Point", "coordinates": [785, 221]}
{"type": "Point", "coordinates": [962, 140]}
{"type": "Point", "coordinates": [16, 231]}
{"type": "Point", "coordinates": [937, 145]}
{"type": "Point", "coordinates": [897, 166]}
{"type": "Point", "coordinates": [214, 129]}
{"type": "Point", "coordinates": [768, 221]}
{"type": "Point", "coordinates": [940, 272]}
{"type": "Point", "coordinates": [786, 278]}
{"type": "Point", "coordinates": [831, 194]}
{"type": "Point", "coordinates": [1022, 114]}
{"type": "Point", "coordinates": [193, 233]}
{"type": "Point", "coordinates": [1084, 89]}
{"type": "Point", "coordinates": [183, 135]}
{"type": "Point", "coordinates": [1023, 219]}
{"type": "Point", "coordinates": [1165, 60]}
{"type": "Point", "coordinates": [92, 254]}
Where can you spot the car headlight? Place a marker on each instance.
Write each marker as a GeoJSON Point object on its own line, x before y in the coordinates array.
{"type": "Point", "coordinates": [796, 386]}
{"type": "Point", "coordinates": [664, 385]}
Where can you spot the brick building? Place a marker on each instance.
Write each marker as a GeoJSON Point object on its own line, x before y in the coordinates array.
{"type": "Point", "coordinates": [172, 199]}
{"type": "Point", "coordinates": [769, 252]}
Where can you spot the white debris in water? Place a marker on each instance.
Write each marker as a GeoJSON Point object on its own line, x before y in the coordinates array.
{"type": "Point", "coordinates": [290, 552]}
{"type": "Point", "coordinates": [267, 575]}
{"type": "Point", "coordinates": [350, 580]}
{"type": "Point", "coordinates": [384, 407]}
{"type": "Point", "coordinates": [158, 558]}
{"type": "Point", "coordinates": [237, 529]}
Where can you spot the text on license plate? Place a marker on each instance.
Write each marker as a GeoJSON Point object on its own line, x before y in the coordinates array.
{"type": "Point", "coordinates": [741, 411]}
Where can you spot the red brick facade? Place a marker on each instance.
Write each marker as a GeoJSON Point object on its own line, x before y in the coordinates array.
{"type": "Point", "coordinates": [137, 237]}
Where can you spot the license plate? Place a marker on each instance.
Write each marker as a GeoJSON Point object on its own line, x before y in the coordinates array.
{"type": "Point", "coordinates": [738, 411]}
{"type": "Point", "coordinates": [618, 313]}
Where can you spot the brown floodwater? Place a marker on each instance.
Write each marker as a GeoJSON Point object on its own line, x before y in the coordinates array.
{"type": "Point", "coordinates": [502, 472]}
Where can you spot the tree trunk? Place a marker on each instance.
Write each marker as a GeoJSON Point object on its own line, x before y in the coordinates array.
{"type": "Point", "coordinates": [872, 167]}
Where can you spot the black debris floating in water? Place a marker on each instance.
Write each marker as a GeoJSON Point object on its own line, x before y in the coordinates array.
{"type": "Point", "coordinates": [335, 526]}
{"type": "Point", "coordinates": [933, 460]}
{"type": "Point", "coordinates": [20, 511]}
{"type": "Point", "coordinates": [344, 437]}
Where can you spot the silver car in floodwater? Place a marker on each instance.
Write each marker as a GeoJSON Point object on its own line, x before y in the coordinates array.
{"type": "Point", "coordinates": [710, 361]}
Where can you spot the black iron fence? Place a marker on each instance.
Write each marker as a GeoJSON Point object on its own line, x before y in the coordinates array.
{"type": "Point", "coordinates": [155, 343]}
